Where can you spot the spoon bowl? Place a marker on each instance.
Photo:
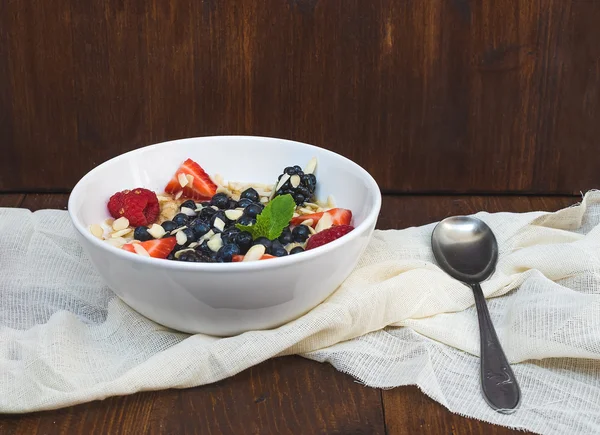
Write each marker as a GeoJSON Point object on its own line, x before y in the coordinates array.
{"type": "Point", "coordinates": [466, 249]}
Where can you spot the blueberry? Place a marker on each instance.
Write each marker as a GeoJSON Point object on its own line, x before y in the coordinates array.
{"type": "Point", "coordinates": [291, 170]}
{"type": "Point", "coordinates": [203, 248]}
{"type": "Point", "coordinates": [246, 220]}
{"type": "Point", "coordinates": [277, 249]}
{"type": "Point", "coordinates": [296, 250]}
{"type": "Point", "coordinates": [191, 236]}
{"type": "Point", "coordinates": [310, 181]}
{"type": "Point", "coordinates": [169, 226]}
{"type": "Point", "coordinates": [142, 234]}
{"type": "Point", "coordinates": [226, 253]}
{"type": "Point", "coordinates": [253, 209]}
{"type": "Point", "coordinates": [229, 235]}
{"type": "Point", "coordinates": [304, 191]}
{"type": "Point", "coordinates": [190, 256]}
{"type": "Point", "coordinates": [286, 236]}
{"type": "Point", "coordinates": [207, 212]}
{"type": "Point", "coordinates": [189, 204]}
{"type": "Point", "coordinates": [299, 170]}
{"type": "Point", "coordinates": [299, 198]}
{"type": "Point", "coordinates": [180, 219]}
{"type": "Point", "coordinates": [244, 241]}
{"type": "Point", "coordinates": [250, 194]}
{"type": "Point", "coordinates": [232, 204]}
{"type": "Point", "coordinates": [300, 233]}
{"type": "Point", "coordinates": [244, 202]}
{"type": "Point", "coordinates": [263, 241]}
{"type": "Point", "coordinates": [220, 200]}
{"type": "Point", "coordinates": [200, 228]}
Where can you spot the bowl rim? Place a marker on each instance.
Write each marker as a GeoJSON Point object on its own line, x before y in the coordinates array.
{"type": "Point", "coordinates": [369, 220]}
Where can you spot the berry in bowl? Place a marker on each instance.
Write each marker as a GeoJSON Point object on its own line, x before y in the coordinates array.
{"type": "Point", "coordinates": [179, 230]}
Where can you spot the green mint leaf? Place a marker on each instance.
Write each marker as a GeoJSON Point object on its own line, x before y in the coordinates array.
{"type": "Point", "coordinates": [273, 219]}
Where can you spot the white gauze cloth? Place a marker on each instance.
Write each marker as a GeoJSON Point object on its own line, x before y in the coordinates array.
{"type": "Point", "coordinates": [65, 338]}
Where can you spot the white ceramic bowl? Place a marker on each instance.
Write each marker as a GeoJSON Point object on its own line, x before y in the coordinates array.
{"type": "Point", "coordinates": [226, 298]}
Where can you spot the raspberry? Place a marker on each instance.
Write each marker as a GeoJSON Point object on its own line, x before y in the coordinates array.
{"type": "Point", "coordinates": [328, 235]}
{"type": "Point", "coordinates": [116, 204]}
{"type": "Point", "coordinates": [140, 206]}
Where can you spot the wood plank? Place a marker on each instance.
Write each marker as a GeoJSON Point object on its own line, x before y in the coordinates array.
{"type": "Point", "coordinates": [414, 210]}
{"type": "Point", "coordinates": [436, 95]}
{"type": "Point", "coordinates": [11, 199]}
{"type": "Point", "coordinates": [284, 395]}
{"type": "Point", "coordinates": [38, 201]}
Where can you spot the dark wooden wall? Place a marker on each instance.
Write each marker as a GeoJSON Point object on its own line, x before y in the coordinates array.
{"type": "Point", "coordinates": [428, 95]}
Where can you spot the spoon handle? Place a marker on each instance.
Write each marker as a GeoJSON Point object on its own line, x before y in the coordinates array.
{"type": "Point", "coordinates": [500, 387]}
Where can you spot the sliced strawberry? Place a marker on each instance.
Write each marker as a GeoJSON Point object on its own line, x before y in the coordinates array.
{"type": "Point", "coordinates": [327, 236]}
{"type": "Point", "coordinates": [339, 216]}
{"type": "Point", "coordinates": [238, 258]}
{"type": "Point", "coordinates": [159, 248]}
{"type": "Point", "coordinates": [202, 187]}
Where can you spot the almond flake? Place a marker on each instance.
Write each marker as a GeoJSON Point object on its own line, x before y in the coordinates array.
{"type": "Point", "coordinates": [255, 253]}
{"type": "Point", "coordinates": [178, 253]}
{"type": "Point", "coordinates": [121, 233]}
{"type": "Point", "coordinates": [308, 222]}
{"type": "Point", "coordinates": [181, 238]}
{"type": "Point", "coordinates": [188, 211]}
{"type": "Point", "coordinates": [120, 224]}
{"type": "Point", "coordinates": [207, 235]}
{"type": "Point", "coordinates": [264, 199]}
{"type": "Point", "coordinates": [139, 249]}
{"type": "Point", "coordinates": [305, 210]}
{"type": "Point", "coordinates": [215, 243]}
{"type": "Point", "coordinates": [312, 230]}
{"type": "Point", "coordinates": [178, 194]}
{"type": "Point", "coordinates": [157, 231]}
{"type": "Point", "coordinates": [162, 198]}
{"type": "Point", "coordinates": [109, 222]}
{"type": "Point", "coordinates": [175, 231]}
{"type": "Point", "coordinates": [221, 189]}
{"type": "Point", "coordinates": [330, 201]}
{"type": "Point", "coordinates": [199, 207]}
{"type": "Point", "coordinates": [218, 179]}
{"type": "Point", "coordinates": [295, 181]}
{"type": "Point", "coordinates": [324, 223]}
{"type": "Point", "coordinates": [219, 224]}
{"type": "Point", "coordinates": [190, 179]}
{"type": "Point", "coordinates": [311, 166]}
{"type": "Point", "coordinates": [311, 205]}
{"type": "Point", "coordinates": [282, 181]}
{"type": "Point", "coordinates": [214, 207]}
{"type": "Point", "coordinates": [97, 231]}
{"type": "Point", "coordinates": [193, 245]}
{"type": "Point", "coordinates": [183, 181]}
{"type": "Point", "coordinates": [296, 214]}
{"type": "Point", "coordinates": [117, 243]}
{"type": "Point", "coordinates": [233, 215]}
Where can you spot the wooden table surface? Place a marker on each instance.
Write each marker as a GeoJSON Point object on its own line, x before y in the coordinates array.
{"type": "Point", "coordinates": [287, 395]}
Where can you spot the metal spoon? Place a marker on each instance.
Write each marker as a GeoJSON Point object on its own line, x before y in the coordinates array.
{"type": "Point", "coordinates": [465, 247]}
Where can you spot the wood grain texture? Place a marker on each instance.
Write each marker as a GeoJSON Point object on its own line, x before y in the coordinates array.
{"type": "Point", "coordinates": [282, 396]}
{"type": "Point", "coordinates": [11, 200]}
{"type": "Point", "coordinates": [429, 96]}
{"type": "Point", "coordinates": [285, 395]}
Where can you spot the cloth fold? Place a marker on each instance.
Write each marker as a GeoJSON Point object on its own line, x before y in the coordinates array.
{"type": "Point", "coordinates": [65, 338]}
